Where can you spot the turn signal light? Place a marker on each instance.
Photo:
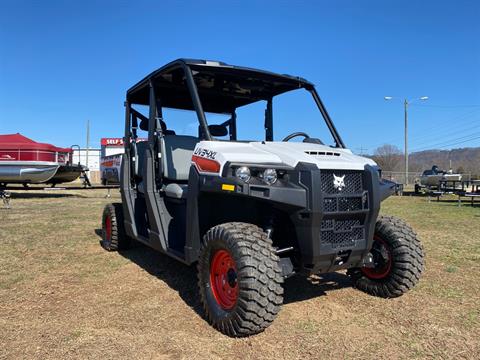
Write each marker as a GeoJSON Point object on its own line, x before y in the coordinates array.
{"type": "Point", "coordinates": [206, 165]}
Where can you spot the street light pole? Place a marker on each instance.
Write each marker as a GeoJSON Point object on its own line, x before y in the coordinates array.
{"type": "Point", "coordinates": [406, 140]}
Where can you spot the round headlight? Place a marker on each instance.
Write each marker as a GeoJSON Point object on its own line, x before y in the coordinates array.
{"type": "Point", "coordinates": [270, 176]}
{"type": "Point", "coordinates": [243, 173]}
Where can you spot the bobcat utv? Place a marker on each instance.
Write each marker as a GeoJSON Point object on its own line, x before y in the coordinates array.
{"type": "Point", "coordinates": [251, 213]}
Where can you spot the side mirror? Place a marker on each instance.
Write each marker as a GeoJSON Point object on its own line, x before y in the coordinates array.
{"type": "Point", "coordinates": [218, 130]}
{"type": "Point", "coordinates": [144, 125]}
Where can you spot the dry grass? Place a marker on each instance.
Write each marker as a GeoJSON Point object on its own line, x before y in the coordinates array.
{"type": "Point", "coordinates": [62, 296]}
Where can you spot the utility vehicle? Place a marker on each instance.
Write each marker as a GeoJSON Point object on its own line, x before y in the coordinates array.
{"type": "Point", "coordinates": [251, 213]}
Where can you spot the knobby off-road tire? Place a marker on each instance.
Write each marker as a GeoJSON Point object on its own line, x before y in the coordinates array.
{"type": "Point", "coordinates": [403, 265]}
{"type": "Point", "coordinates": [239, 279]}
{"type": "Point", "coordinates": [113, 231]}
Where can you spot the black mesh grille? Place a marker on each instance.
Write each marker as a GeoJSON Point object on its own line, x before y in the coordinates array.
{"type": "Point", "coordinates": [344, 204]}
{"type": "Point", "coordinates": [343, 192]}
{"type": "Point", "coordinates": [352, 181]}
{"type": "Point", "coordinates": [341, 233]}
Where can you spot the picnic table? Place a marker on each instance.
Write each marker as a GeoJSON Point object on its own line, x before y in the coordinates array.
{"type": "Point", "coordinates": [471, 195]}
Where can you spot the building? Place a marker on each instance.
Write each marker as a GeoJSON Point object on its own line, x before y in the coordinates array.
{"type": "Point", "coordinates": [90, 158]}
{"type": "Point", "coordinates": [111, 146]}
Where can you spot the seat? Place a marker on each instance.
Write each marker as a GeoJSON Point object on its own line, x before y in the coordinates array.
{"type": "Point", "coordinates": [140, 164]}
{"type": "Point", "coordinates": [141, 147]}
{"type": "Point", "coordinates": [177, 158]}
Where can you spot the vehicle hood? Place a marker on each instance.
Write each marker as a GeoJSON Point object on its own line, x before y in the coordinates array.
{"type": "Point", "coordinates": [287, 153]}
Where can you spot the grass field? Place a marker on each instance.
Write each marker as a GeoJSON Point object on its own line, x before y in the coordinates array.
{"type": "Point", "coordinates": [63, 296]}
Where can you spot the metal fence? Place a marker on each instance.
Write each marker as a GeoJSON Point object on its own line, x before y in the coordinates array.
{"type": "Point", "coordinates": [399, 177]}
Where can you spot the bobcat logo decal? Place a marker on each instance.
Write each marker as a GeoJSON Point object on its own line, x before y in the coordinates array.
{"type": "Point", "coordinates": [338, 182]}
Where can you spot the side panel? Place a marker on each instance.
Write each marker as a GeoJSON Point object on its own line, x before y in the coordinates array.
{"type": "Point", "coordinates": [157, 215]}
{"type": "Point", "coordinates": [128, 198]}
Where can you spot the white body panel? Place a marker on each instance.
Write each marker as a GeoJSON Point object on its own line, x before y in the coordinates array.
{"type": "Point", "coordinates": [281, 153]}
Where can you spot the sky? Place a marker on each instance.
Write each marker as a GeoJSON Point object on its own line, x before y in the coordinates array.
{"type": "Point", "coordinates": [65, 62]}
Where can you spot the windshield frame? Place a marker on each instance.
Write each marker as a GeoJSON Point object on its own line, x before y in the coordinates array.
{"type": "Point", "coordinates": [268, 112]}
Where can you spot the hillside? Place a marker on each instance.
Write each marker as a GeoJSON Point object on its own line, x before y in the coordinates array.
{"type": "Point", "coordinates": [465, 160]}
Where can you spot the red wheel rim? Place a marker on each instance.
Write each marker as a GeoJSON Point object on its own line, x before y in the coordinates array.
{"type": "Point", "coordinates": [108, 228]}
{"type": "Point", "coordinates": [223, 279]}
{"type": "Point", "coordinates": [380, 250]}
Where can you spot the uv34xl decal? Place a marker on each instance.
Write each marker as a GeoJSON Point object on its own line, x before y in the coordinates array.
{"type": "Point", "coordinates": [209, 154]}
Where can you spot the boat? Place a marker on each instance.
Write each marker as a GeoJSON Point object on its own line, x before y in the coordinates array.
{"type": "Point", "coordinates": [25, 161]}
{"type": "Point", "coordinates": [435, 175]}
{"type": "Point", "coordinates": [67, 173]}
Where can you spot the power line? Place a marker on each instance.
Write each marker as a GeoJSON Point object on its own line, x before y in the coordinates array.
{"type": "Point", "coordinates": [446, 106]}
{"type": "Point", "coordinates": [458, 130]}
{"type": "Point", "coordinates": [460, 142]}
{"type": "Point", "coordinates": [361, 150]}
{"type": "Point", "coordinates": [447, 121]}
{"type": "Point", "coordinates": [449, 142]}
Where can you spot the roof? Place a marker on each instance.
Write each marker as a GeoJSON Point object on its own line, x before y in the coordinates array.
{"type": "Point", "coordinates": [221, 87]}
{"type": "Point", "coordinates": [19, 142]}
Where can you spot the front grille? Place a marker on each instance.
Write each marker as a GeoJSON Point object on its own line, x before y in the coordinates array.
{"type": "Point", "coordinates": [343, 193]}
{"type": "Point", "coordinates": [341, 233]}
{"type": "Point", "coordinates": [352, 181]}
{"type": "Point", "coordinates": [345, 203]}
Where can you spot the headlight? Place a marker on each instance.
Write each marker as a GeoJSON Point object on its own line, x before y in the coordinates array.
{"type": "Point", "coordinates": [270, 176]}
{"type": "Point", "coordinates": [243, 173]}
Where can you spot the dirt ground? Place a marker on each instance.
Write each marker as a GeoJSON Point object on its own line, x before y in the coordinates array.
{"type": "Point", "coordinates": [63, 296]}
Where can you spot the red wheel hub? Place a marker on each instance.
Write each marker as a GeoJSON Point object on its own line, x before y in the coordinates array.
{"type": "Point", "coordinates": [108, 228]}
{"type": "Point", "coordinates": [223, 279]}
{"type": "Point", "coordinates": [382, 257]}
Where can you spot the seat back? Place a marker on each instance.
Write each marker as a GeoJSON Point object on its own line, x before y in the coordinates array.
{"type": "Point", "coordinates": [177, 156]}
{"type": "Point", "coordinates": [141, 147]}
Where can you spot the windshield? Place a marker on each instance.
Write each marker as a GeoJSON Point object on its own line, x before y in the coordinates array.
{"type": "Point", "coordinates": [292, 112]}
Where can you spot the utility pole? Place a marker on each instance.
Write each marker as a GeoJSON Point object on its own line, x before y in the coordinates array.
{"type": "Point", "coordinates": [405, 107]}
{"type": "Point", "coordinates": [405, 103]}
{"type": "Point", "coordinates": [362, 150]}
{"type": "Point", "coordinates": [88, 142]}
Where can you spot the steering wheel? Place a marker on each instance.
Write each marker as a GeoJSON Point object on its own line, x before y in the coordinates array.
{"type": "Point", "coordinates": [296, 134]}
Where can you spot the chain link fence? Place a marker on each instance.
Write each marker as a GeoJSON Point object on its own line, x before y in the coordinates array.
{"type": "Point", "coordinates": [399, 177]}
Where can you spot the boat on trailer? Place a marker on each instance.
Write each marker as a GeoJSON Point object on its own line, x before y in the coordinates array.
{"type": "Point", "coordinates": [434, 176]}
{"type": "Point", "coordinates": [25, 161]}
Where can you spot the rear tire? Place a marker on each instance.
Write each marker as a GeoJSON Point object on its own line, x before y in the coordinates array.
{"type": "Point", "coordinates": [239, 279]}
{"type": "Point", "coordinates": [113, 231]}
{"type": "Point", "coordinates": [399, 260]}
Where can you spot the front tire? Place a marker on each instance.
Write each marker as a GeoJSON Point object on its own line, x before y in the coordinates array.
{"type": "Point", "coordinates": [113, 231]}
{"type": "Point", "coordinates": [398, 257]}
{"type": "Point", "coordinates": [239, 279]}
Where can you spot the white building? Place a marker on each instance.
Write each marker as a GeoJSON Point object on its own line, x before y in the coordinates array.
{"type": "Point", "coordinates": [92, 161]}
{"type": "Point", "coordinates": [109, 146]}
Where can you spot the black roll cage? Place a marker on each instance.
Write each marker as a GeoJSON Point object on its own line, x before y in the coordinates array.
{"type": "Point", "coordinates": [154, 101]}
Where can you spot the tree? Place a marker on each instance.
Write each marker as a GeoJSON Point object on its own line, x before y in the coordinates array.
{"type": "Point", "coordinates": [388, 157]}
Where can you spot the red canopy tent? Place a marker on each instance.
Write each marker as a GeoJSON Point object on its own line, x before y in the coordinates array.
{"type": "Point", "coordinates": [16, 147]}
{"type": "Point", "coordinates": [19, 142]}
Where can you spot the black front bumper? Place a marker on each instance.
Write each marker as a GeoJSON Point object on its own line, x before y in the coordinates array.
{"type": "Point", "coordinates": [335, 229]}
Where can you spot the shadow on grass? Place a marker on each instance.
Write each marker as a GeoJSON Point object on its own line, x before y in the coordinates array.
{"type": "Point", "coordinates": [183, 278]}
{"type": "Point", "coordinates": [300, 288]}
{"type": "Point", "coordinates": [43, 195]}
